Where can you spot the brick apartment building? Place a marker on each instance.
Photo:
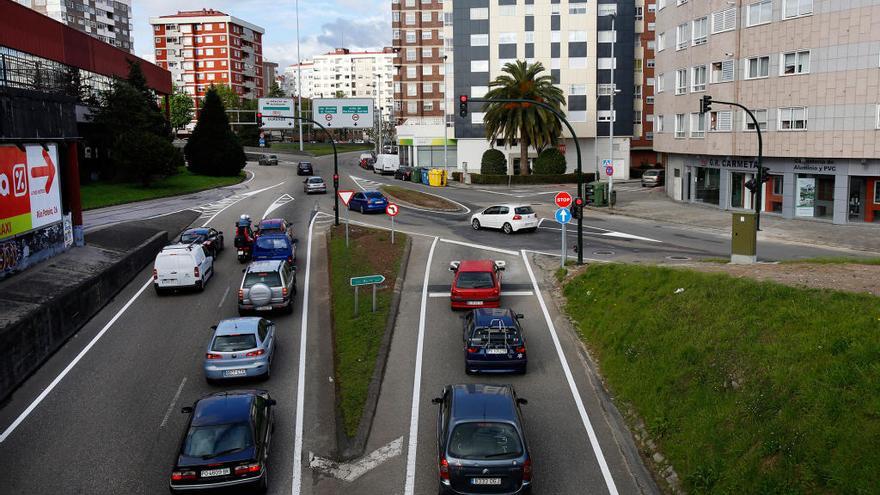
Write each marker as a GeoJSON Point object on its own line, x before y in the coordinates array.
{"type": "Point", "coordinates": [642, 146]}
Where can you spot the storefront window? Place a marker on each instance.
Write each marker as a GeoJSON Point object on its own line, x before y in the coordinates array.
{"type": "Point", "coordinates": [740, 196]}
{"type": "Point", "coordinates": [814, 196]}
{"type": "Point", "coordinates": [708, 185]}
{"type": "Point", "coordinates": [432, 156]}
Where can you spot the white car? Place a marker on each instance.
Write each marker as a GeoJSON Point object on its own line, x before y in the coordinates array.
{"type": "Point", "coordinates": [509, 218]}
{"type": "Point", "coordinates": [182, 266]}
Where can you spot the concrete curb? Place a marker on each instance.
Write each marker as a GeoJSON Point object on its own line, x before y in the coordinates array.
{"type": "Point", "coordinates": [352, 448]}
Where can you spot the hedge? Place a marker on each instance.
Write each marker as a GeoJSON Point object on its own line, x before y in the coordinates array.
{"type": "Point", "coordinates": [550, 162]}
{"type": "Point", "coordinates": [493, 162]}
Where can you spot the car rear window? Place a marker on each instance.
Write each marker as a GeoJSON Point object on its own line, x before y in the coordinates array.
{"type": "Point", "coordinates": [374, 195]}
{"type": "Point", "coordinates": [475, 280]}
{"type": "Point", "coordinates": [485, 441]}
{"type": "Point", "coordinates": [651, 173]}
{"type": "Point", "coordinates": [316, 180]}
{"type": "Point", "coordinates": [523, 210]}
{"type": "Point", "coordinates": [215, 440]}
{"type": "Point", "coordinates": [272, 279]}
{"type": "Point", "coordinates": [271, 243]}
{"type": "Point", "coordinates": [190, 238]}
{"type": "Point", "coordinates": [233, 343]}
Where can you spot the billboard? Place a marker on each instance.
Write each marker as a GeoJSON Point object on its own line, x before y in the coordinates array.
{"type": "Point", "coordinates": [352, 113]}
{"type": "Point", "coordinates": [30, 195]}
{"type": "Point", "coordinates": [275, 108]}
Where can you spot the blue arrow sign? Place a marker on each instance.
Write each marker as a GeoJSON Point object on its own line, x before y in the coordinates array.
{"type": "Point", "coordinates": [563, 216]}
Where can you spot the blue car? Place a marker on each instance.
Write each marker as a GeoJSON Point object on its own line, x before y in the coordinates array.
{"type": "Point", "coordinates": [494, 342]}
{"type": "Point", "coordinates": [368, 201]}
{"type": "Point", "coordinates": [240, 348]}
{"type": "Point", "coordinates": [274, 247]}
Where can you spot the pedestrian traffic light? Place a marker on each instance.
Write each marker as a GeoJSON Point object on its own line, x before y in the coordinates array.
{"type": "Point", "coordinates": [705, 104]}
{"type": "Point", "coordinates": [462, 106]}
{"type": "Point", "coordinates": [260, 120]}
{"type": "Point", "coordinates": [765, 174]}
{"type": "Point", "coordinates": [589, 193]}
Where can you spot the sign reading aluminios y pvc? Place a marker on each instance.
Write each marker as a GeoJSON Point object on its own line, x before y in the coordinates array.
{"type": "Point", "coordinates": [277, 113]}
{"type": "Point", "coordinates": [30, 195]}
{"type": "Point", "coordinates": [351, 113]}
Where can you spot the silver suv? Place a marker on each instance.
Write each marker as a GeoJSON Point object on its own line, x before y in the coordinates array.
{"type": "Point", "coordinates": [267, 286]}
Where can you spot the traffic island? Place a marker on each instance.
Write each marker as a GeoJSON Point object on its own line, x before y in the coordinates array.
{"type": "Point", "coordinates": [737, 385]}
{"type": "Point", "coordinates": [361, 342]}
{"type": "Point", "coordinates": [412, 198]}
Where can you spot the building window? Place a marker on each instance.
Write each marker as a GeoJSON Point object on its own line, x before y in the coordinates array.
{"type": "Point", "coordinates": [427, 34]}
{"type": "Point", "coordinates": [650, 45]}
{"type": "Point", "coordinates": [658, 124]}
{"type": "Point", "coordinates": [411, 107]}
{"type": "Point", "coordinates": [577, 8]}
{"type": "Point", "coordinates": [637, 65]}
{"type": "Point", "coordinates": [793, 119]}
{"type": "Point", "coordinates": [680, 126]}
{"type": "Point", "coordinates": [410, 54]}
{"type": "Point", "coordinates": [637, 117]}
{"type": "Point", "coordinates": [722, 71]}
{"type": "Point", "coordinates": [411, 90]}
{"type": "Point", "coordinates": [507, 10]}
{"type": "Point", "coordinates": [479, 66]}
{"type": "Point", "coordinates": [698, 125]}
{"type": "Point", "coordinates": [479, 14]}
{"type": "Point", "coordinates": [649, 63]}
{"type": "Point", "coordinates": [577, 89]}
{"type": "Point", "coordinates": [721, 121]}
{"type": "Point", "coordinates": [410, 18]}
{"type": "Point", "coordinates": [427, 53]}
{"type": "Point", "coordinates": [760, 12]}
{"type": "Point", "coordinates": [506, 38]}
{"type": "Point", "coordinates": [605, 63]}
{"type": "Point", "coordinates": [760, 116]}
{"type": "Point", "coordinates": [698, 78]}
{"type": "Point", "coordinates": [427, 70]}
{"type": "Point", "coordinates": [795, 8]}
{"type": "Point", "coordinates": [795, 63]}
{"type": "Point", "coordinates": [479, 40]}
{"type": "Point", "coordinates": [410, 72]}
{"type": "Point", "coordinates": [649, 100]}
{"type": "Point", "coordinates": [724, 20]}
{"type": "Point", "coordinates": [639, 13]}
{"type": "Point", "coordinates": [395, 16]}
{"type": "Point", "coordinates": [428, 106]}
{"type": "Point", "coordinates": [604, 36]}
{"type": "Point", "coordinates": [603, 89]}
{"type": "Point", "coordinates": [700, 29]}
{"type": "Point", "coordinates": [396, 34]}
{"type": "Point", "coordinates": [757, 67]}
{"type": "Point", "coordinates": [410, 36]}
{"type": "Point", "coordinates": [426, 16]}
{"type": "Point", "coordinates": [681, 37]}
{"type": "Point", "coordinates": [661, 80]}
{"type": "Point", "coordinates": [661, 41]}
{"type": "Point", "coordinates": [681, 81]}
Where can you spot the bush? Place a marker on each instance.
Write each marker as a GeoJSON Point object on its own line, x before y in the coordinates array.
{"type": "Point", "coordinates": [493, 163]}
{"type": "Point", "coordinates": [143, 156]}
{"type": "Point", "coordinates": [550, 161]}
{"type": "Point", "coordinates": [213, 149]}
{"type": "Point", "coordinates": [249, 135]}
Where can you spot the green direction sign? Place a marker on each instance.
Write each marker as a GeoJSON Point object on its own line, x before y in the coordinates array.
{"type": "Point", "coordinates": [276, 108]}
{"type": "Point", "coordinates": [367, 280]}
{"type": "Point", "coordinates": [355, 109]}
{"type": "Point", "coordinates": [327, 109]}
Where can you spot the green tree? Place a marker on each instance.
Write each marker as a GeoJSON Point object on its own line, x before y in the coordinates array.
{"type": "Point", "coordinates": [493, 163]}
{"type": "Point", "coordinates": [213, 149]}
{"type": "Point", "coordinates": [340, 94]}
{"type": "Point", "coordinates": [227, 95]}
{"type": "Point", "coordinates": [181, 109]}
{"type": "Point", "coordinates": [532, 125]}
{"type": "Point", "coordinates": [550, 162]}
{"type": "Point", "coordinates": [144, 156]}
{"type": "Point", "coordinates": [275, 91]}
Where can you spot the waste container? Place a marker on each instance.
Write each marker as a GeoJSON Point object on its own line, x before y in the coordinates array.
{"type": "Point", "coordinates": [600, 193]}
{"type": "Point", "coordinates": [444, 177]}
{"type": "Point", "coordinates": [424, 174]}
{"type": "Point", "coordinates": [416, 175]}
{"type": "Point", "coordinates": [437, 177]}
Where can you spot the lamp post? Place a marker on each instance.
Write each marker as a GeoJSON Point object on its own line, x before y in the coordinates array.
{"type": "Point", "coordinates": [298, 80]}
{"type": "Point", "coordinates": [445, 113]}
{"type": "Point", "coordinates": [611, 122]}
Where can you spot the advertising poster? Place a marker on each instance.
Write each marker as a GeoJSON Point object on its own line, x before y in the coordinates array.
{"type": "Point", "coordinates": [806, 197]}
{"type": "Point", "coordinates": [30, 195]}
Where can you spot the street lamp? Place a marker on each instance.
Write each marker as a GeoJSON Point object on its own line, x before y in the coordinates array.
{"type": "Point", "coordinates": [611, 122]}
{"type": "Point", "coordinates": [299, 79]}
{"type": "Point", "coordinates": [445, 113]}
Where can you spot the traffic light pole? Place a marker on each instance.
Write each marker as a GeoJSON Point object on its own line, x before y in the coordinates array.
{"type": "Point", "coordinates": [577, 146]}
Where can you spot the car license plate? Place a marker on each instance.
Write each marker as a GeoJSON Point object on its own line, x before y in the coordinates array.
{"type": "Point", "coordinates": [240, 252]}
{"type": "Point", "coordinates": [235, 373]}
{"type": "Point", "coordinates": [496, 351]}
{"type": "Point", "coordinates": [264, 308]}
{"type": "Point", "coordinates": [475, 303]}
{"type": "Point", "coordinates": [208, 473]}
{"type": "Point", "coordinates": [485, 481]}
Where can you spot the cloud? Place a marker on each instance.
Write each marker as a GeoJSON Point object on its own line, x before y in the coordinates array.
{"type": "Point", "coordinates": [371, 33]}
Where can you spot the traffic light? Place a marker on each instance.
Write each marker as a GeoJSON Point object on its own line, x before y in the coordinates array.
{"type": "Point", "coordinates": [765, 175]}
{"type": "Point", "coordinates": [752, 185]}
{"type": "Point", "coordinates": [335, 181]}
{"type": "Point", "coordinates": [260, 120]}
{"type": "Point", "coordinates": [462, 106]}
{"type": "Point", "coordinates": [578, 208]}
{"type": "Point", "coordinates": [589, 193]}
{"type": "Point", "coordinates": [705, 104]}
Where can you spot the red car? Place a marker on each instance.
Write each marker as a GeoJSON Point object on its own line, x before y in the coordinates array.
{"type": "Point", "coordinates": [476, 284]}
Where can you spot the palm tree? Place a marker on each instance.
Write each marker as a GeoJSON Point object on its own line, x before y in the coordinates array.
{"type": "Point", "coordinates": [533, 125]}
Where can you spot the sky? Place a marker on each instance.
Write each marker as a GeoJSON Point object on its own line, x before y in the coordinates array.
{"type": "Point", "coordinates": [324, 24]}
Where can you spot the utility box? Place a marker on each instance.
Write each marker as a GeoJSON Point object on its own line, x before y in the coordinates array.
{"type": "Point", "coordinates": [744, 238]}
{"type": "Point", "coordinates": [600, 193]}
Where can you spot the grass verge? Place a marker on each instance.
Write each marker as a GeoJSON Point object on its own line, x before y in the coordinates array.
{"type": "Point", "coordinates": [101, 194]}
{"type": "Point", "coordinates": [842, 260]}
{"type": "Point", "coordinates": [747, 387]}
{"type": "Point", "coordinates": [357, 339]}
{"type": "Point", "coordinates": [417, 198]}
{"type": "Point", "coordinates": [320, 149]}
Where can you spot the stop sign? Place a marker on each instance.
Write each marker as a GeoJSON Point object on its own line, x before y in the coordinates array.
{"type": "Point", "coordinates": [563, 199]}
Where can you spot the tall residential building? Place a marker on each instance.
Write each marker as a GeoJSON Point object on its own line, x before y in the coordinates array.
{"type": "Point", "coordinates": [355, 75]}
{"type": "Point", "coordinates": [205, 47]}
{"type": "Point", "coordinates": [269, 70]}
{"type": "Point", "coordinates": [107, 20]}
{"type": "Point", "coordinates": [642, 152]}
{"type": "Point", "coordinates": [297, 75]}
{"type": "Point", "coordinates": [807, 69]}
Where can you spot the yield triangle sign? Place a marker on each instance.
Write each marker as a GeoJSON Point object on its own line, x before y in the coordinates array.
{"type": "Point", "coordinates": [345, 196]}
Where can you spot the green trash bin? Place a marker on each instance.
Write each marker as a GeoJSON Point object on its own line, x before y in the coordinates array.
{"type": "Point", "coordinates": [600, 193]}
{"type": "Point", "coordinates": [416, 175]}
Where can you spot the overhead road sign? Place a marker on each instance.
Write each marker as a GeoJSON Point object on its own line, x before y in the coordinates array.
{"type": "Point", "coordinates": [350, 113]}
{"type": "Point", "coordinates": [277, 113]}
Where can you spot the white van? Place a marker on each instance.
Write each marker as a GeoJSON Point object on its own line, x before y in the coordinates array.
{"type": "Point", "coordinates": [386, 164]}
{"type": "Point", "coordinates": [182, 266]}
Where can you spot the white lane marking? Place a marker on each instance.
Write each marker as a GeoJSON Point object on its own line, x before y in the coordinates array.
{"type": "Point", "coordinates": [245, 182]}
{"type": "Point", "coordinates": [243, 196]}
{"type": "Point", "coordinates": [371, 225]}
{"type": "Point", "coordinates": [258, 191]}
{"type": "Point", "coordinates": [278, 203]}
{"type": "Point", "coordinates": [173, 402]}
{"type": "Point", "coordinates": [511, 293]}
{"type": "Point", "coordinates": [359, 180]}
{"type": "Point", "coordinates": [409, 487]}
{"type": "Point", "coordinates": [585, 419]}
{"type": "Point", "coordinates": [301, 377]}
{"type": "Point", "coordinates": [21, 417]}
{"type": "Point", "coordinates": [479, 246]}
{"type": "Point", "coordinates": [605, 233]}
{"type": "Point", "coordinates": [222, 299]}
{"type": "Point", "coordinates": [350, 471]}
{"type": "Point", "coordinates": [624, 235]}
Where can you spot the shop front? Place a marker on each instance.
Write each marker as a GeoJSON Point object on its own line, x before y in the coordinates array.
{"type": "Point", "coordinates": [426, 152]}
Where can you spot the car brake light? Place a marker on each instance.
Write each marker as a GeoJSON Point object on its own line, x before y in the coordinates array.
{"type": "Point", "coordinates": [183, 475]}
{"type": "Point", "coordinates": [246, 469]}
{"type": "Point", "coordinates": [527, 470]}
{"type": "Point", "coordinates": [258, 352]}
{"type": "Point", "coordinates": [290, 259]}
{"type": "Point", "coordinates": [211, 355]}
{"type": "Point", "coordinates": [284, 291]}
{"type": "Point", "coordinates": [444, 469]}
{"type": "Point", "coordinates": [521, 349]}
{"type": "Point", "coordinates": [196, 272]}
{"type": "Point", "coordinates": [155, 274]}
{"type": "Point", "coordinates": [472, 350]}
{"type": "Point", "coordinates": [517, 217]}
{"type": "Point", "coordinates": [241, 294]}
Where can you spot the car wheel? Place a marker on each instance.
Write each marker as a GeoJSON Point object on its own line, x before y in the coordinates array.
{"type": "Point", "coordinates": [289, 309]}
{"type": "Point", "coordinates": [362, 209]}
{"type": "Point", "coordinates": [507, 229]}
{"type": "Point", "coordinates": [210, 381]}
{"type": "Point", "coordinates": [523, 370]}
{"type": "Point", "coordinates": [475, 224]}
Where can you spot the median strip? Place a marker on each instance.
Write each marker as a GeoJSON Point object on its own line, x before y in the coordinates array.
{"type": "Point", "coordinates": [410, 197]}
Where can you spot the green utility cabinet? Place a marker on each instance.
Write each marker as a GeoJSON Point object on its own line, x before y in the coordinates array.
{"type": "Point", "coordinates": [600, 193]}
{"type": "Point", "coordinates": [744, 238]}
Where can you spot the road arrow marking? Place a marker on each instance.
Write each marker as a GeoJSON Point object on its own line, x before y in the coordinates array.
{"type": "Point", "coordinates": [281, 201]}
{"type": "Point", "coordinates": [350, 471]}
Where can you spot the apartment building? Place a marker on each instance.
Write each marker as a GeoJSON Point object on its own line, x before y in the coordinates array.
{"type": "Point", "coordinates": [642, 154]}
{"type": "Point", "coordinates": [810, 72]}
{"type": "Point", "coordinates": [205, 47]}
{"type": "Point", "coordinates": [349, 74]}
{"type": "Point", "coordinates": [269, 71]}
{"type": "Point", "coordinates": [107, 20]}
{"type": "Point", "coordinates": [305, 71]}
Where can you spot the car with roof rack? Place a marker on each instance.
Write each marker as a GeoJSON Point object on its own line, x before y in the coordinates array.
{"type": "Point", "coordinates": [494, 342]}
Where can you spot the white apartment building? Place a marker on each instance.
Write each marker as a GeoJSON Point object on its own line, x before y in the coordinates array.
{"type": "Point", "coordinates": [107, 20]}
{"type": "Point", "coordinates": [290, 84]}
{"type": "Point", "coordinates": [355, 75]}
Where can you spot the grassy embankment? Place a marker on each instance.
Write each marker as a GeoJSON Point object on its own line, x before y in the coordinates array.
{"type": "Point", "coordinates": [747, 387]}
{"type": "Point", "coordinates": [320, 149]}
{"type": "Point", "coordinates": [417, 198]}
{"type": "Point", "coordinates": [101, 194]}
{"type": "Point", "coordinates": [358, 338]}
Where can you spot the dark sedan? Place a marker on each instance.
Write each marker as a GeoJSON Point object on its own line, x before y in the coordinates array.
{"type": "Point", "coordinates": [481, 443]}
{"type": "Point", "coordinates": [210, 239]}
{"type": "Point", "coordinates": [403, 173]}
{"type": "Point", "coordinates": [226, 443]}
{"type": "Point", "coordinates": [494, 342]}
{"type": "Point", "coordinates": [304, 168]}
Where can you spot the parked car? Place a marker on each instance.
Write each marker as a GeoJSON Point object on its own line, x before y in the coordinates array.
{"type": "Point", "coordinates": [476, 283]}
{"type": "Point", "coordinates": [304, 168]}
{"type": "Point", "coordinates": [267, 286]}
{"type": "Point", "coordinates": [210, 239]}
{"type": "Point", "coordinates": [653, 177]}
{"type": "Point", "coordinates": [494, 342]}
{"type": "Point", "coordinates": [182, 266]}
{"type": "Point", "coordinates": [274, 247]}
{"type": "Point", "coordinates": [314, 184]}
{"type": "Point", "coordinates": [226, 443]}
{"type": "Point", "coordinates": [366, 160]}
{"type": "Point", "coordinates": [268, 160]}
{"type": "Point", "coordinates": [240, 347]}
{"type": "Point", "coordinates": [481, 441]}
{"type": "Point", "coordinates": [274, 226]}
{"type": "Point", "coordinates": [368, 201]}
{"type": "Point", "coordinates": [509, 218]}
{"type": "Point", "coordinates": [386, 164]}
{"type": "Point", "coordinates": [403, 173]}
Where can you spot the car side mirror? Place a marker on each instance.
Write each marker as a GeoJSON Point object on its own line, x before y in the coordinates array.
{"type": "Point", "coordinates": [186, 410]}
{"type": "Point", "coordinates": [305, 181]}
{"type": "Point", "coordinates": [521, 401]}
{"type": "Point", "coordinates": [213, 327]}
{"type": "Point", "coordinates": [437, 400]}
{"type": "Point", "coordinates": [271, 402]}
{"type": "Point", "coordinates": [520, 316]}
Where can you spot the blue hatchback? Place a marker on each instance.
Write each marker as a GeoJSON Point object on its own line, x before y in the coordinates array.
{"type": "Point", "coordinates": [368, 201]}
{"type": "Point", "coordinates": [274, 247]}
{"type": "Point", "coordinates": [494, 342]}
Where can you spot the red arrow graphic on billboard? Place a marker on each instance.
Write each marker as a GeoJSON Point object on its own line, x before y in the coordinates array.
{"type": "Point", "coordinates": [47, 170]}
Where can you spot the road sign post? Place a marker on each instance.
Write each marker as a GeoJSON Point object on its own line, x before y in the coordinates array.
{"type": "Point", "coordinates": [345, 196]}
{"type": "Point", "coordinates": [563, 216]}
{"type": "Point", "coordinates": [373, 280]}
{"type": "Point", "coordinates": [392, 210]}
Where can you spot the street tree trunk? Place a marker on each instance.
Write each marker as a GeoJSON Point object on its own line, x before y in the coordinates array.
{"type": "Point", "coordinates": [523, 156]}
